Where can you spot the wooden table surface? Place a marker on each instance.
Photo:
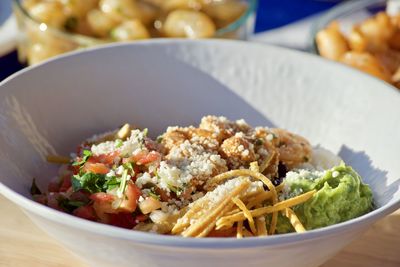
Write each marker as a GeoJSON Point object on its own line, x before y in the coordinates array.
{"type": "Point", "coordinates": [22, 244]}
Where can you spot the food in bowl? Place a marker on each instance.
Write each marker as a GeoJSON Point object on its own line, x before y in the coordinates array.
{"type": "Point", "coordinates": [221, 179]}
{"type": "Point", "coordinates": [63, 25]}
{"type": "Point", "coordinates": [372, 46]}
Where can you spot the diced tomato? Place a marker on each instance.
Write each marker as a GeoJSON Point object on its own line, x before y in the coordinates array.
{"type": "Point", "coordinates": [103, 205]}
{"type": "Point", "coordinates": [141, 218]}
{"type": "Point", "coordinates": [54, 185]}
{"type": "Point", "coordinates": [132, 194]}
{"type": "Point", "coordinates": [153, 156]}
{"type": "Point", "coordinates": [74, 169]}
{"type": "Point", "coordinates": [81, 195]}
{"type": "Point", "coordinates": [144, 157]}
{"type": "Point", "coordinates": [66, 183]}
{"type": "Point", "coordinates": [85, 212]}
{"type": "Point", "coordinates": [53, 199]}
{"type": "Point", "coordinates": [122, 219]}
{"type": "Point", "coordinates": [102, 197]}
{"type": "Point", "coordinates": [98, 168]}
{"type": "Point", "coordinates": [103, 202]}
{"type": "Point", "coordinates": [108, 159]}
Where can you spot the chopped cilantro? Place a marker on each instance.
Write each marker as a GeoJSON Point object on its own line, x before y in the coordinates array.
{"type": "Point", "coordinates": [159, 139]}
{"type": "Point", "coordinates": [111, 183]}
{"type": "Point", "coordinates": [178, 191]}
{"type": "Point", "coordinates": [91, 182]}
{"type": "Point", "coordinates": [86, 155]}
{"type": "Point", "coordinates": [34, 188]}
{"type": "Point", "coordinates": [128, 166]}
{"type": "Point", "coordinates": [122, 186]}
{"type": "Point", "coordinates": [118, 143]}
{"type": "Point", "coordinates": [70, 205]}
{"type": "Point", "coordinates": [95, 183]}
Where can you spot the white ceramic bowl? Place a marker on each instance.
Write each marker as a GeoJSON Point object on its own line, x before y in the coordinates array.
{"type": "Point", "coordinates": [53, 106]}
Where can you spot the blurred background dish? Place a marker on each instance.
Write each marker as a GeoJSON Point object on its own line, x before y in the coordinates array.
{"type": "Point", "coordinates": [52, 28]}
{"type": "Point", "coordinates": [363, 34]}
{"type": "Point", "coordinates": [270, 27]}
{"type": "Point", "coordinates": [8, 29]}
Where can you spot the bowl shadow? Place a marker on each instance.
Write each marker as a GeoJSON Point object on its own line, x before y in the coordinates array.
{"type": "Point", "coordinates": [375, 177]}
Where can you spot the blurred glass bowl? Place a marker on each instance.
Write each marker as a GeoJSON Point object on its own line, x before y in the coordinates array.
{"type": "Point", "coordinates": [38, 41]}
{"type": "Point", "coordinates": [347, 14]}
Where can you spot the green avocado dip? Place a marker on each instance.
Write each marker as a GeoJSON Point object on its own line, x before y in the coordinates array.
{"type": "Point", "coordinates": [341, 196]}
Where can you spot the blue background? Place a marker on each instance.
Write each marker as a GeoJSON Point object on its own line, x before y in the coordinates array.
{"type": "Point", "coordinates": [271, 14]}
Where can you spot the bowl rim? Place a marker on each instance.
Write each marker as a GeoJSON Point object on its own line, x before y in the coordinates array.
{"type": "Point", "coordinates": [89, 40]}
{"type": "Point", "coordinates": [175, 241]}
{"type": "Point", "coordinates": [344, 8]}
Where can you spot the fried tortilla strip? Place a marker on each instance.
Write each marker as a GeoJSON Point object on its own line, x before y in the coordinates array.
{"type": "Point", "coordinates": [230, 174]}
{"type": "Point", "coordinates": [261, 226]}
{"type": "Point", "coordinates": [239, 229]}
{"type": "Point", "coordinates": [294, 220]}
{"type": "Point", "coordinates": [212, 207]}
{"type": "Point", "coordinates": [231, 219]}
{"type": "Point", "coordinates": [261, 197]}
{"type": "Point", "coordinates": [246, 213]}
{"type": "Point", "coordinates": [195, 212]}
{"type": "Point", "coordinates": [211, 226]}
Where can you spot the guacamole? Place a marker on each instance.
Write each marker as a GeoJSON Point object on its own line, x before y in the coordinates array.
{"type": "Point", "coordinates": [341, 196]}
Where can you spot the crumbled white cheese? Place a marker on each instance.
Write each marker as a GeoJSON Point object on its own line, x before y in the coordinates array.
{"type": "Point", "coordinates": [296, 175]}
{"type": "Point", "coordinates": [103, 148]}
{"type": "Point", "coordinates": [222, 190]}
{"type": "Point", "coordinates": [119, 170]}
{"type": "Point", "coordinates": [169, 176]}
{"type": "Point", "coordinates": [145, 178]}
{"type": "Point", "coordinates": [111, 173]}
{"type": "Point", "coordinates": [131, 146]}
{"type": "Point", "coordinates": [255, 186]}
{"type": "Point", "coordinates": [242, 123]}
{"type": "Point", "coordinates": [186, 161]}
